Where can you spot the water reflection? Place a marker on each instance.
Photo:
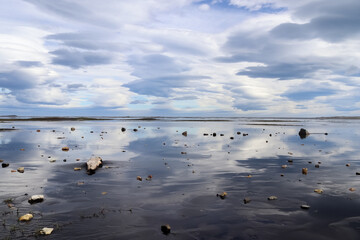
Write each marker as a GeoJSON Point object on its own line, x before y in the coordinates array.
{"type": "Point", "coordinates": [187, 173]}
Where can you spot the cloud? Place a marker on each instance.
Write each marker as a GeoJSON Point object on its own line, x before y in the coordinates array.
{"type": "Point", "coordinates": [283, 71]}
{"type": "Point", "coordinates": [77, 59]}
{"type": "Point", "coordinates": [28, 64]}
{"type": "Point", "coordinates": [16, 79]}
{"type": "Point", "coordinates": [43, 96]}
{"type": "Point", "coordinates": [161, 86]}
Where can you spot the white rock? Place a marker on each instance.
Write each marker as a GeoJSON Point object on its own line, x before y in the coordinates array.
{"type": "Point", "coordinates": [36, 198]}
{"type": "Point", "coordinates": [94, 163]}
{"type": "Point", "coordinates": [46, 231]}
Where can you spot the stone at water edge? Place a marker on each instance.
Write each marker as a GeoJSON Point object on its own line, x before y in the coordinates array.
{"type": "Point", "coordinates": [36, 199]}
{"type": "Point", "coordinates": [26, 217]}
{"type": "Point", "coordinates": [166, 229]}
{"type": "Point", "coordinates": [46, 231]}
{"type": "Point", "coordinates": [93, 164]}
{"type": "Point", "coordinates": [65, 149]}
{"type": "Point", "coordinates": [305, 206]}
{"type": "Point", "coordinates": [4, 165]}
{"type": "Point", "coordinates": [305, 171]}
{"type": "Point", "coordinates": [184, 134]}
{"type": "Point", "coordinates": [272, 198]}
{"type": "Point", "coordinates": [303, 133]}
{"type": "Point", "coordinates": [21, 169]}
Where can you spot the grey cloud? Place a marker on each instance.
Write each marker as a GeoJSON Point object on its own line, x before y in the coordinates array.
{"type": "Point", "coordinates": [161, 86]}
{"type": "Point", "coordinates": [184, 98]}
{"type": "Point", "coordinates": [78, 59]}
{"type": "Point", "coordinates": [75, 86]}
{"type": "Point", "coordinates": [28, 63]}
{"type": "Point", "coordinates": [309, 91]}
{"type": "Point", "coordinates": [282, 71]}
{"type": "Point", "coordinates": [15, 80]}
{"type": "Point", "coordinates": [250, 106]}
{"type": "Point", "coordinates": [139, 102]}
{"type": "Point", "coordinates": [87, 41]}
{"type": "Point", "coordinates": [155, 65]}
{"type": "Point", "coordinates": [329, 28]}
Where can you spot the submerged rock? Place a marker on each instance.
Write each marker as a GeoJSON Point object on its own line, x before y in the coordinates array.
{"type": "Point", "coordinates": [26, 217]}
{"type": "Point", "coordinates": [303, 133]}
{"type": "Point", "coordinates": [65, 149]}
{"type": "Point", "coordinates": [305, 171]}
{"type": "Point", "coordinates": [36, 199]}
{"type": "Point", "coordinates": [247, 200]}
{"type": "Point", "coordinates": [222, 195]}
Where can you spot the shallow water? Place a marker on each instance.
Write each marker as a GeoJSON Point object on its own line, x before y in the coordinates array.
{"type": "Point", "coordinates": [113, 204]}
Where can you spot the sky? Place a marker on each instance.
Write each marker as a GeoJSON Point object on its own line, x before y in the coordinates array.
{"type": "Point", "coordinates": [279, 58]}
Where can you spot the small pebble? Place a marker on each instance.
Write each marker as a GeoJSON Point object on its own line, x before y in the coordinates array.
{"type": "Point", "coordinates": [222, 195]}
{"type": "Point", "coordinates": [272, 198]}
{"type": "Point", "coordinates": [305, 206]}
{"type": "Point", "coordinates": [352, 189]}
{"type": "Point", "coordinates": [318, 191]}
{"type": "Point", "coordinates": [247, 200]}
{"type": "Point", "coordinates": [26, 217]}
{"type": "Point", "coordinates": [304, 171]}
{"type": "Point", "coordinates": [21, 169]}
{"type": "Point", "coordinates": [139, 178]}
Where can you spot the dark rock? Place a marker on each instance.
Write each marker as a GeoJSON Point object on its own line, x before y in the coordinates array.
{"type": "Point", "coordinates": [238, 133]}
{"type": "Point", "coordinates": [303, 133]}
{"type": "Point", "coordinates": [214, 134]}
{"type": "Point", "coordinates": [247, 200]}
{"type": "Point", "coordinates": [123, 129]}
{"type": "Point", "coordinates": [4, 165]}
{"type": "Point", "coordinates": [184, 134]}
{"type": "Point", "coordinates": [135, 130]}
{"type": "Point", "coordinates": [166, 229]}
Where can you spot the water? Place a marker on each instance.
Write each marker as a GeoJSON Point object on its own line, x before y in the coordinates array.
{"type": "Point", "coordinates": [113, 204]}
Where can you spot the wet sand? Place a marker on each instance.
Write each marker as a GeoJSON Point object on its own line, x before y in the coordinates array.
{"type": "Point", "coordinates": [245, 159]}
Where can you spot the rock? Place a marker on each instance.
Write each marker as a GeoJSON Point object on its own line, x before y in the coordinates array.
{"type": "Point", "coordinates": [318, 191]}
{"type": "Point", "coordinates": [36, 199]}
{"type": "Point", "coordinates": [65, 149]}
{"type": "Point", "coordinates": [52, 160]}
{"type": "Point", "coordinates": [72, 129]}
{"type": "Point", "coordinates": [46, 231]}
{"type": "Point", "coordinates": [238, 133]}
{"type": "Point", "coordinates": [26, 217]}
{"type": "Point", "coordinates": [305, 171]}
{"type": "Point", "coordinates": [303, 133]}
{"type": "Point", "coordinates": [1, 160]}
{"type": "Point", "coordinates": [221, 134]}
{"type": "Point", "coordinates": [77, 168]}
{"type": "Point", "coordinates": [352, 189]}
{"type": "Point", "coordinates": [304, 206]}
{"type": "Point", "coordinates": [139, 178]}
{"type": "Point", "coordinates": [284, 166]}
{"type": "Point", "coordinates": [232, 138]}
{"type": "Point", "coordinates": [38, 130]}
{"type": "Point", "coordinates": [184, 134]}
{"type": "Point", "coordinates": [214, 134]}
{"type": "Point", "coordinates": [357, 173]}
{"type": "Point", "coordinates": [222, 195]}
{"type": "Point", "coordinates": [249, 176]}
{"type": "Point", "coordinates": [93, 163]}
{"type": "Point", "coordinates": [290, 161]}
{"type": "Point", "coordinates": [348, 165]}
{"type": "Point", "coordinates": [317, 165]}
{"type": "Point", "coordinates": [166, 229]}
{"type": "Point", "coordinates": [4, 165]}
{"type": "Point", "coordinates": [123, 129]}
{"type": "Point", "coordinates": [272, 198]}
{"type": "Point", "coordinates": [135, 130]}
{"type": "Point", "coordinates": [247, 200]}
{"type": "Point", "coordinates": [149, 178]}
{"type": "Point", "coordinates": [21, 169]}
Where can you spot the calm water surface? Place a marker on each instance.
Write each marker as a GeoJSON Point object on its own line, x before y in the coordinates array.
{"type": "Point", "coordinates": [187, 174]}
